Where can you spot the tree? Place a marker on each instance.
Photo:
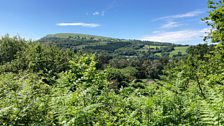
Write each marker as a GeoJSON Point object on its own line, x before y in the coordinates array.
{"type": "Point", "coordinates": [216, 21]}
{"type": "Point", "coordinates": [9, 47]}
{"type": "Point", "coordinates": [38, 58]}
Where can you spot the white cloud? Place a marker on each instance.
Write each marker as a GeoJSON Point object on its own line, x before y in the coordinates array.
{"type": "Point", "coordinates": [171, 24]}
{"type": "Point", "coordinates": [90, 25]}
{"type": "Point", "coordinates": [184, 15]}
{"type": "Point", "coordinates": [176, 36]}
{"type": "Point", "coordinates": [97, 13]}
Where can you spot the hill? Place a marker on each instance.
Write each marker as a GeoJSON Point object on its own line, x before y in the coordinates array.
{"type": "Point", "coordinates": [113, 46]}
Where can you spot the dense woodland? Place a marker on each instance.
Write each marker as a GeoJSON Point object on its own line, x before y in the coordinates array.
{"type": "Point", "coordinates": [43, 84]}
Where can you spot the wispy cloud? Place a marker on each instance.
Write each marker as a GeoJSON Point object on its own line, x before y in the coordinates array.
{"type": "Point", "coordinates": [171, 24]}
{"type": "Point", "coordinates": [97, 13]}
{"type": "Point", "coordinates": [177, 36]}
{"type": "Point", "coordinates": [188, 14]}
{"type": "Point", "coordinates": [184, 15]}
{"type": "Point", "coordinates": [90, 25]}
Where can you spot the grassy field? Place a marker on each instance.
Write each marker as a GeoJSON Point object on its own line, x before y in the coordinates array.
{"type": "Point", "coordinates": [151, 46]}
{"type": "Point", "coordinates": [146, 47]}
{"type": "Point", "coordinates": [177, 49]}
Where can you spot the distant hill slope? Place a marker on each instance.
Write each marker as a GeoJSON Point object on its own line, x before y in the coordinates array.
{"type": "Point", "coordinates": [93, 43]}
{"type": "Point", "coordinates": [75, 36]}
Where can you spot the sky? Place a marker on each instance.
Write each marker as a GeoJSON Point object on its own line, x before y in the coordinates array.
{"type": "Point", "coordinates": [176, 21]}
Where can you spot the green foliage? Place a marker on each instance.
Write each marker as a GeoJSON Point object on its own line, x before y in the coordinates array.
{"type": "Point", "coordinates": [179, 49]}
{"type": "Point", "coordinates": [82, 72]}
{"type": "Point", "coordinates": [45, 60]}
{"type": "Point", "coordinates": [200, 78]}
{"type": "Point", "coordinates": [215, 21]}
{"type": "Point", "coordinates": [189, 93]}
{"type": "Point", "coordinates": [24, 99]}
{"type": "Point", "coordinates": [9, 47]}
{"type": "Point", "coordinates": [39, 57]}
{"type": "Point", "coordinates": [119, 78]}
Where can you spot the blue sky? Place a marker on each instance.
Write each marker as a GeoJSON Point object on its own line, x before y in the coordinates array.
{"type": "Point", "coordinates": [175, 21]}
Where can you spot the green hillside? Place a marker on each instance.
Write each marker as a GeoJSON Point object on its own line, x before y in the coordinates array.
{"type": "Point", "coordinates": [113, 46]}
{"type": "Point", "coordinates": [75, 35]}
